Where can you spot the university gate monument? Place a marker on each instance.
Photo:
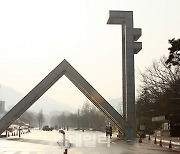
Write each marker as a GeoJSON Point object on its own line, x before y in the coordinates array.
{"type": "Point", "coordinates": [126, 123]}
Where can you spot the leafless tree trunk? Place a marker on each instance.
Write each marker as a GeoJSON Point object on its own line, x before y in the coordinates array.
{"type": "Point", "coordinates": [40, 118]}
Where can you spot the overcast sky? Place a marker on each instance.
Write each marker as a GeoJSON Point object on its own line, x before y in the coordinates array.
{"type": "Point", "coordinates": [36, 35]}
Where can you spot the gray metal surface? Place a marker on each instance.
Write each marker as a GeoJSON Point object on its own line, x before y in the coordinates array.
{"type": "Point", "coordinates": [129, 48]}
{"type": "Point", "coordinates": [64, 68]}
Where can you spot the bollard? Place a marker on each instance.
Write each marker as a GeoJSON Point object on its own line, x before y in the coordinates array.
{"type": "Point", "coordinates": [7, 133]}
{"type": "Point", "coordinates": [19, 133]}
{"type": "Point", "coordinates": [155, 141]}
{"type": "Point", "coordinates": [160, 143]}
{"type": "Point", "coordinates": [149, 138]}
{"type": "Point", "coordinates": [140, 139]}
{"type": "Point", "coordinates": [65, 152]}
{"type": "Point", "coordinates": [170, 145]}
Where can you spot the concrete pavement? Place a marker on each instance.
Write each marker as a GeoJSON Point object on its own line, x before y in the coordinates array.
{"type": "Point", "coordinates": [88, 142]}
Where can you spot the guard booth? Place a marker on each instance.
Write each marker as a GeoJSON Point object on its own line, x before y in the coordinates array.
{"type": "Point", "coordinates": [170, 125]}
{"type": "Point", "coordinates": [164, 130]}
{"type": "Point", "coordinates": [175, 125]}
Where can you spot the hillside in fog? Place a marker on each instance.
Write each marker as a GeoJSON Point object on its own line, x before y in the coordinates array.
{"type": "Point", "coordinates": [48, 104]}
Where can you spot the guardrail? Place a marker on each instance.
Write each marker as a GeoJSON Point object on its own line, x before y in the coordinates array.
{"type": "Point", "coordinates": [15, 130]}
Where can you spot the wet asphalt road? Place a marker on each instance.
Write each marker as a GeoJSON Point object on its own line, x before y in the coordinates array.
{"type": "Point", "coordinates": [44, 142]}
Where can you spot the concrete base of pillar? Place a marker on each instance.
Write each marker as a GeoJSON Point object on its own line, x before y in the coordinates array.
{"type": "Point", "coordinates": [129, 134]}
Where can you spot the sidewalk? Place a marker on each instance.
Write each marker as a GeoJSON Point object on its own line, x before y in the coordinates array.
{"type": "Point", "coordinates": [174, 140]}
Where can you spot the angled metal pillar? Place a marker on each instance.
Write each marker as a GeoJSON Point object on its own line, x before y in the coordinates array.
{"type": "Point", "coordinates": [64, 68]}
{"type": "Point", "coordinates": [129, 48]}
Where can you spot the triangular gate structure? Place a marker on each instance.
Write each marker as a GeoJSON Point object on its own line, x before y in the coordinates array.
{"type": "Point", "coordinates": [64, 68]}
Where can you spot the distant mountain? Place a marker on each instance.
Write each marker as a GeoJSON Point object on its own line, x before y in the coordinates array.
{"type": "Point", "coordinates": [47, 104]}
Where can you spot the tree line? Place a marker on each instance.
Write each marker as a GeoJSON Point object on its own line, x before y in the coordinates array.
{"type": "Point", "coordinates": [87, 117]}
{"type": "Point", "coordinates": [32, 119]}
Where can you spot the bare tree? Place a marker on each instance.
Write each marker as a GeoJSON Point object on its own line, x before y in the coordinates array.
{"type": "Point", "coordinates": [91, 117]}
{"type": "Point", "coordinates": [159, 77]}
{"type": "Point", "coordinates": [28, 117]}
{"type": "Point", "coordinates": [40, 118]}
{"type": "Point", "coordinates": [159, 93]}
